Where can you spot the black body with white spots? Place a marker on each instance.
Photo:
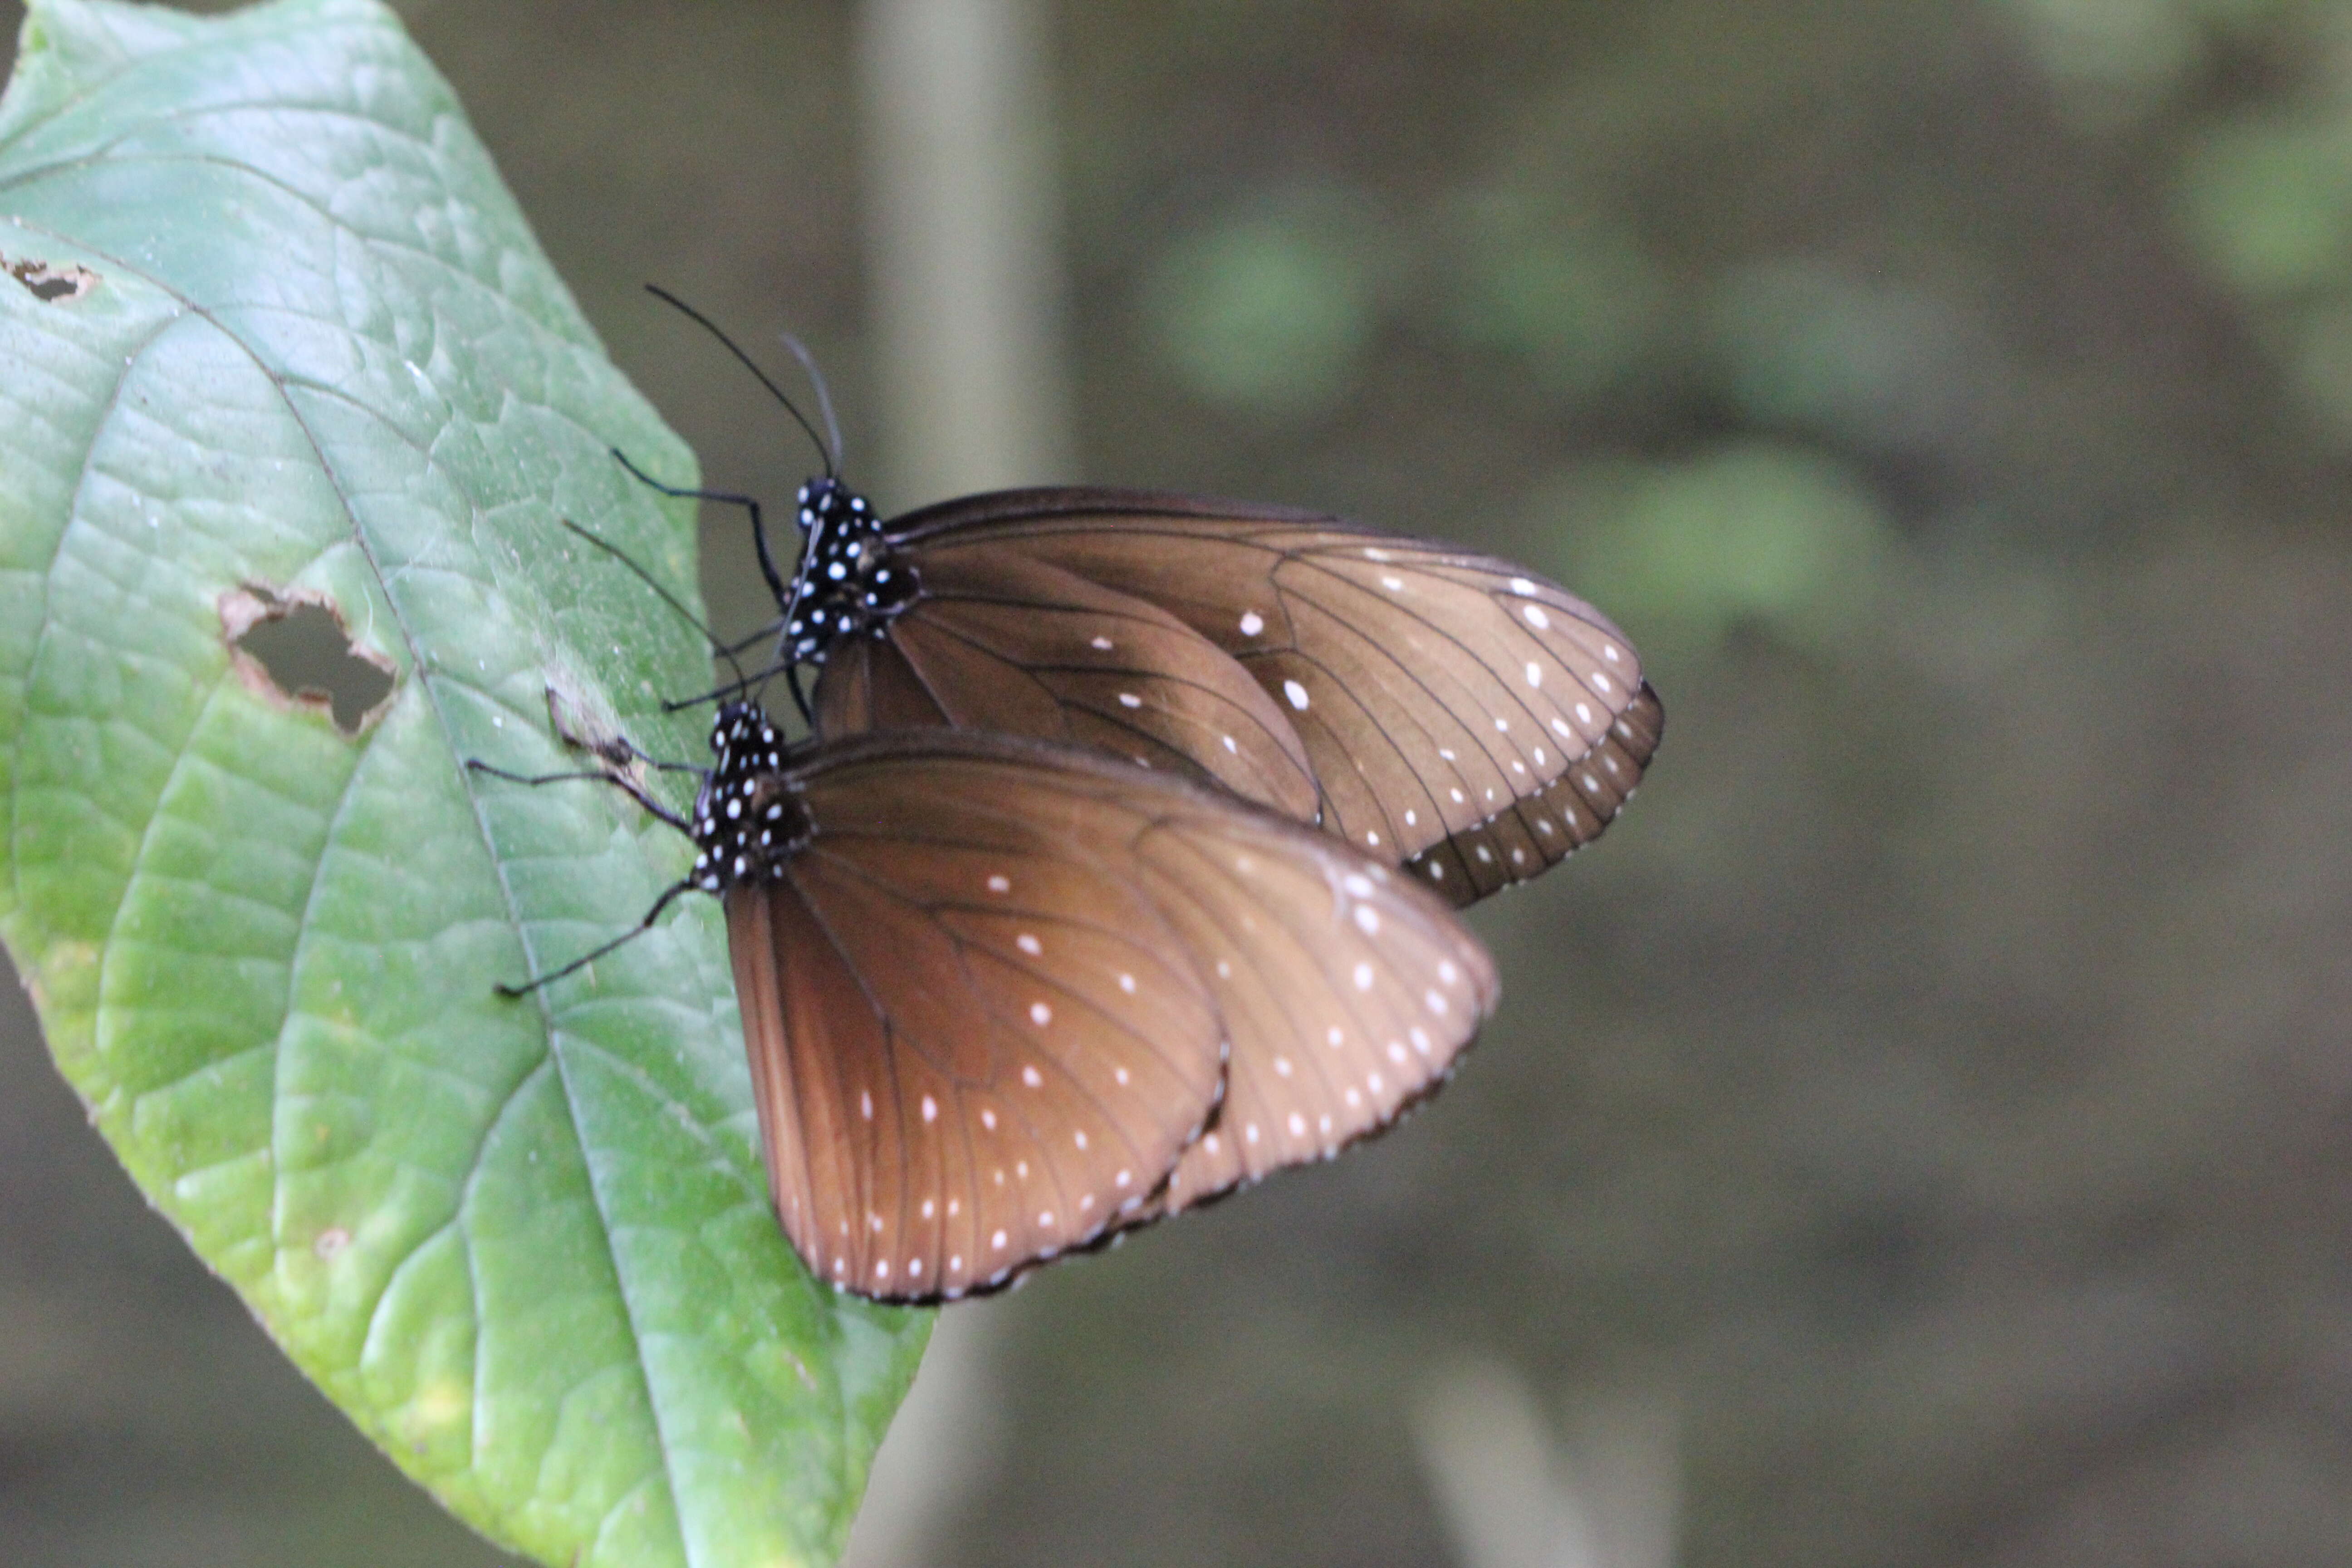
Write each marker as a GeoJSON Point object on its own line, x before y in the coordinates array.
{"type": "Point", "coordinates": [851, 583]}
{"type": "Point", "coordinates": [747, 817]}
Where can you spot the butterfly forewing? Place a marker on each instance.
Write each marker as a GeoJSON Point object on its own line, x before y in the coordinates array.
{"type": "Point", "coordinates": [992, 989]}
{"type": "Point", "coordinates": [1433, 691]}
{"type": "Point", "coordinates": [991, 1056]}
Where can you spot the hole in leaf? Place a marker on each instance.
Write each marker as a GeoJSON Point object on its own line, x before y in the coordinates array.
{"type": "Point", "coordinates": [48, 283]}
{"type": "Point", "coordinates": [296, 649]}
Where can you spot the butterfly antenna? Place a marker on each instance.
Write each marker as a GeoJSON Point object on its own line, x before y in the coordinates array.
{"type": "Point", "coordinates": [823, 404]}
{"type": "Point", "coordinates": [708, 325]}
{"type": "Point", "coordinates": [689, 617]}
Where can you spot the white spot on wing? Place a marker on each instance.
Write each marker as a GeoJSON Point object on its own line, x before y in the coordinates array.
{"type": "Point", "coordinates": [1296, 693]}
{"type": "Point", "coordinates": [1252, 623]}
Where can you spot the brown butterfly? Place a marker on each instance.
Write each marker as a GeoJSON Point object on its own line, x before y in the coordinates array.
{"type": "Point", "coordinates": [1436, 708]}
{"type": "Point", "coordinates": [1004, 999]}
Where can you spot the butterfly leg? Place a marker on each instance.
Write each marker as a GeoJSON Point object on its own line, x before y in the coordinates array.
{"type": "Point", "coordinates": [586, 959]}
{"type": "Point", "coordinates": [725, 498]}
{"type": "Point", "coordinates": [621, 782]}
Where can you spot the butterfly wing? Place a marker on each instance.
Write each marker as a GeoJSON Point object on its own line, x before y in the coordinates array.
{"type": "Point", "coordinates": [1347, 992]}
{"type": "Point", "coordinates": [1003, 642]}
{"type": "Point", "coordinates": [990, 1000]}
{"type": "Point", "coordinates": [1452, 705]}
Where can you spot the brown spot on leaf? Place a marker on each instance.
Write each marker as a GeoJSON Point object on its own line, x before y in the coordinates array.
{"type": "Point", "coordinates": [295, 650]}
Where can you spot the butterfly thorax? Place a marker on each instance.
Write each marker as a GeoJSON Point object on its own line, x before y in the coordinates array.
{"type": "Point", "coordinates": [747, 818]}
{"type": "Point", "coordinates": [853, 580]}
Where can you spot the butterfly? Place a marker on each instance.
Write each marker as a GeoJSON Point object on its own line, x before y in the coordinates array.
{"type": "Point", "coordinates": [1439, 708]}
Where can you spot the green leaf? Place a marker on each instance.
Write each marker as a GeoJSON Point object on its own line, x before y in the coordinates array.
{"type": "Point", "coordinates": [272, 333]}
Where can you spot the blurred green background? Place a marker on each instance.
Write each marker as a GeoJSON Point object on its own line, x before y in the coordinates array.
{"type": "Point", "coordinates": [1921, 1132]}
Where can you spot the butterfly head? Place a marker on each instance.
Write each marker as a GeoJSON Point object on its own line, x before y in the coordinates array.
{"type": "Point", "coordinates": [852, 579]}
{"type": "Point", "coordinates": [747, 818]}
